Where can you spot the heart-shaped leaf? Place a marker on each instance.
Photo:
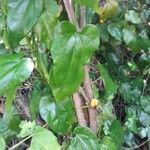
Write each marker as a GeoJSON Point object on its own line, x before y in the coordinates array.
{"type": "Point", "coordinates": [70, 52]}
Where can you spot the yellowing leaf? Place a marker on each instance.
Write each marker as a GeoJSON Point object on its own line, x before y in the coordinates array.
{"type": "Point", "coordinates": [108, 10]}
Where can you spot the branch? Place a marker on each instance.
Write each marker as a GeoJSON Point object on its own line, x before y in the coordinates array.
{"type": "Point", "coordinates": [89, 92]}
{"type": "Point", "coordinates": [79, 110]}
{"type": "Point", "coordinates": [70, 12]}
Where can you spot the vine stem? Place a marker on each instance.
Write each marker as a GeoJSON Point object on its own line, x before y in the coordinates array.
{"type": "Point", "coordinates": [89, 92]}
{"type": "Point", "coordinates": [76, 97]}
{"type": "Point", "coordinates": [79, 110]}
{"type": "Point", "coordinates": [87, 83]}
{"type": "Point", "coordinates": [136, 147]}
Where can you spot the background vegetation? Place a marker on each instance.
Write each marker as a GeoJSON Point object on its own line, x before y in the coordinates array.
{"type": "Point", "coordinates": [74, 74]}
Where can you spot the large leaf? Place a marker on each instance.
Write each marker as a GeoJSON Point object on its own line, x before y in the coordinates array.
{"type": "Point", "coordinates": [110, 85]}
{"type": "Point", "coordinates": [93, 4]}
{"type": "Point", "coordinates": [70, 52]}
{"type": "Point", "coordinates": [58, 116]}
{"type": "Point", "coordinates": [21, 17]}
{"type": "Point", "coordinates": [13, 71]}
{"type": "Point", "coordinates": [47, 21]}
{"type": "Point", "coordinates": [84, 139]}
{"type": "Point", "coordinates": [44, 139]}
{"type": "Point", "coordinates": [2, 143]}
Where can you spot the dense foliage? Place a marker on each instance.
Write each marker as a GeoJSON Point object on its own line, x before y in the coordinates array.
{"type": "Point", "coordinates": [43, 53]}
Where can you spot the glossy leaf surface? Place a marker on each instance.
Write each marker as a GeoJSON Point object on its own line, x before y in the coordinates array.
{"type": "Point", "coordinates": [70, 52]}
{"type": "Point", "coordinates": [58, 116]}
{"type": "Point", "coordinates": [21, 17]}
{"type": "Point", "coordinates": [17, 70]}
{"type": "Point", "coordinates": [84, 139]}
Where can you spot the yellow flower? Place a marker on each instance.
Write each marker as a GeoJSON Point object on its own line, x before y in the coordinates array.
{"type": "Point", "coordinates": [94, 102]}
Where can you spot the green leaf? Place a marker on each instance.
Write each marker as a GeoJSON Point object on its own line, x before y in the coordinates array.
{"type": "Point", "coordinates": [115, 139]}
{"type": "Point", "coordinates": [27, 128]}
{"type": "Point", "coordinates": [110, 86]}
{"type": "Point", "coordinates": [70, 52]}
{"type": "Point", "coordinates": [117, 133]}
{"type": "Point", "coordinates": [104, 32]}
{"type": "Point", "coordinates": [43, 139]}
{"type": "Point", "coordinates": [128, 35]}
{"type": "Point", "coordinates": [58, 116]}
{"type": "Point", "coordinates": [107, 144]}
{"type": "Point", "coordinates": [115, 31]}
{"type": "Point", "coordinates": [2, 143]}
{"type": "Point", "coordinates": [47, 21]}
{"type": "Point", "coordinates": [129, 93]}
{"type": "Point", "coordinates": [145, 104]}
{"type": "Point", "coordinates": [93, 4]}
{"type": "Point", "coordinates": [17, 70]}
{"type": "Point", "coordinates": [21, 17]}
{"type": "Point", "coordinates": [84, 139]}
{"type": "Point", "coordinates": [38, 91]}
{"type": "Point", "coordinates": [5, 131]}
{"type": "Point", "coordinates": [133, 17]}
{"type": "Point", "coordinates": [144, 119]}
{"type": "Point", "coordinates": [139, 44]}
{"type": "Point", "coordinates": [131, 123]}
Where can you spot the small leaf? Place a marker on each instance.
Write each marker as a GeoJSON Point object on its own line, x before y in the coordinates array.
{"type": "Point", "coordinates": [110, 85]}
{"type": "Point", "coordinates": [115, 31]}
{"type": "Point", "coordinates": [133, 17]}
{"type": "Point", "coordinates": [104, 32]}
{"type": "Point", "coordinates": [21, 17]}
{"type": "Point", "coordinates": [27, 128]}
{"type": "Point", "coordinates": [128, 36]}
{"type": "Point", "coordinates": [129, 93]}
{"type": "Point", "coordinates": [43, 139]}
{"type": "Point", "coordinates": [108, 10]}
{"type": "Point", "coordinates": [107, 144]}
{"type": "Point", "coordinates": [144, 119]}
{"type": "Point", "coordinates": [2, 143]}
{"type": "Point", "coordinates": [70, 52]}
{"type": "Point", "coordinates": [145, 104]}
